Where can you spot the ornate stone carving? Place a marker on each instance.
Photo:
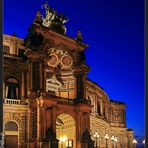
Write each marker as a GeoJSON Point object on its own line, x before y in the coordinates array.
{"type": "Point", "coordinates": [53, 60]}
{"type": "Point", "coordinates": [66, 62]}
{"type": "Point", "coordinates": [52, 84]}
{"type": "Point", "coordinates": [32, 95]}
{"type": "Point", "coordinates": [54, 21]}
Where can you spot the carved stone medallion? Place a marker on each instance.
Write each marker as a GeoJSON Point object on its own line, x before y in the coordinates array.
{"type": "Point", "coordinates": [66, 61]}
{"type": "Point", "coordinates": [53, 61]}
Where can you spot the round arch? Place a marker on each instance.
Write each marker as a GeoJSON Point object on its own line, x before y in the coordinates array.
{"type": "Point", "coordinates": [92, 102]}
{"type": "Point", "coordinates": [66, 130]}
{"type": "Point", "coordinates": [12, 87]}
{"type": "Point", "coordinates": [11, 134]}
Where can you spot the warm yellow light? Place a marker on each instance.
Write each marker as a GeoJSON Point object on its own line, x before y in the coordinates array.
{"type": "Point", "coordinates": [116, 140]}
{"type": "Point", "coordinates": [112, 138]}
{"type": "Point", "coordinates": [69, 143]}
{"type": "Point", "coordinates": [96, 135]}
{"type": "Point", "coordinates": [63, 139]}
{"type": "Point", "coordinates": [106, 136]}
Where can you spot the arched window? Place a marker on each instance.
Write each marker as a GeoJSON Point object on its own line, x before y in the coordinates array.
{"type": "Point", "coordinates": [6, 49]}
{"type": "Point", "coordinates": [11, 126]}
{"type": "Point", "coordinates": [92, 102]}
{"type": "Point", "coordinates": [11, 135]}
{"type": "Point", "coordinates": [104, 111]}
{"type": "Point", "coordinates": [116, 116]}
{"type": "Point", "coordinates": [12, 88]}
{"type": "Point", "coordinates": [98, 108]}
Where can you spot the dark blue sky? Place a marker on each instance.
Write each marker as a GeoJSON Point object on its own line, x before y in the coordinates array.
{"type": "Point", "coordinates": [114, 30]}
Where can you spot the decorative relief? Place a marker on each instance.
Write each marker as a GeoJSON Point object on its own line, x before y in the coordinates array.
{"type": "Point", "coordinates": [53, 61]}
{"type": "Point", "coordinates": [66, 61]}
{"type": "Point", "coordinates": [52, 84]}
{"type": "Point", "coordinates": [61, 57]}
{"type": "Point", "coordinates": [53, 36]}
{"type": "Point", "coordinates": [34, 123]}
{"type": "Point", "coordinates": [12, 117]}
{"type": "Point", "coordinates": [71, 85]}
{"type": "Point", "coordinates": [32, 95]}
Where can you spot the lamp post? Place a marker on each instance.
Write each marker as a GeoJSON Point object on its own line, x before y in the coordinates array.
{"type": "Point", "coordinates": [134, 143]}
{"type": "Point", "coordinates": [116, 140]}
{"type": "Point", "coordinates": [106, 138]}
{"type": "Point", "coordinates": [113, 139]}
{"type": "Point", "coordinates": [143, 141]}
{"type": "Point", "coordinates": [96, 136]}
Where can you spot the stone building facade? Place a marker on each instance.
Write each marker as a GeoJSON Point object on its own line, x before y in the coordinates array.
{"type": "Point", "coordinates": [48, 99]}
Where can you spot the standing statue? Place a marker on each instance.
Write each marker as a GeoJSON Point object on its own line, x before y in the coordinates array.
{"type": "Point", "coordinates": [63, 19]}
{"type": "Point", "coordinates": [49, 15]}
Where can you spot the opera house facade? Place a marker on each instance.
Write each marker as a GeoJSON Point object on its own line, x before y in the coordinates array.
{"type": "Point", "coordinates": [49, 102]}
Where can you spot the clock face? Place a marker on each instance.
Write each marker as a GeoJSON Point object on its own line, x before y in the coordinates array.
{"type": "Point", "coordinates": [66, 61]}
{"type": "Point", "coordinates": [53, 61]}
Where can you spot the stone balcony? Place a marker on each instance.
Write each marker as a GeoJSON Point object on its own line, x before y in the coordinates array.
{"type": "Point", "coordinates": [12, 101]}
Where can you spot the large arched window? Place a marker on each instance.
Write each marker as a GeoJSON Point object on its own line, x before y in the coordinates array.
{"type": "Point", "coordinates": [12, 88]}
{"type": "Point", "coordinates": [92, 103]}
{"type": "Point", "coordinates": [11, 126]}
{"type": "Point", "coordinates": [11, 135]}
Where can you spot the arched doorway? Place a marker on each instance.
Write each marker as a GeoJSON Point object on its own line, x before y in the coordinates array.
{"type": "Point", "coordinates": [66, 131]}
{"type": "Point", "coordinates": [11, 135]}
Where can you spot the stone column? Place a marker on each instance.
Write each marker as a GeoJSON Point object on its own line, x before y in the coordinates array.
{"type": "Point", "coordinates": [80, 84]}
{"type": "Point", "coordinates": [28, 82]}
{"type": "Point", "coordinates": [84, 85]}
{"type": "Point", "coordinates": [78, 130]}
{"type": "Point", "coordinates": [5, 90]}
{"type": "Point", "coordinates": [96, 104]}
{"type": "Point", "coordinates": [23, 83]}
{"type": "Point", "coordinates": [44, 77]}
{"type": "Point", "coordinates": [41, 75]}
{"type": "Point", "coordinates": [39, 123]}
{"type": "Point", "coordinates": [54, 118]}
{"type": "Point", "coordinates": [44, 123]}
{"type": "Point", "coordinates": [101, 107]}
{"type": "Point", "coordinates": [78, 125]}
{"type": "Point", "coordinates": [83, 127]}
{"type": "Point", "coordinates": [75, 86]}
{"type": "Point", "coordinates": [29, 77]}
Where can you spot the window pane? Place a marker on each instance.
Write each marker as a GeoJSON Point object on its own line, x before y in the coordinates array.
{"type": "Point", "coordinates": [6, 49]}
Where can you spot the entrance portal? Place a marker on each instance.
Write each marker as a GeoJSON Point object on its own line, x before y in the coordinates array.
{"type": "Point", "coordinates": [66, 131]}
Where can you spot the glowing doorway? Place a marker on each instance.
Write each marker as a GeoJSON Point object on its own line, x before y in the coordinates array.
{"type": "Point", "coordinates": [66, 131]}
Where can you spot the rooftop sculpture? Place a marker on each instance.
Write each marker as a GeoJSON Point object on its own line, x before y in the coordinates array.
{"type": "Point", "coordinates": [53, 20]}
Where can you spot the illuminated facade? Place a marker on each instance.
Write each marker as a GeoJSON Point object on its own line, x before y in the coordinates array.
{"type": "Point", "coordinates": [48, 99]}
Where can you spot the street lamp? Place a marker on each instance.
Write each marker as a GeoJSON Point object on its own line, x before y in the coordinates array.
{"type": "Point", "coordinates": [96, 136]}
{"type": "Point", "coordinates": [143, 141]}
{"type": "Point", "coordinates": [134, 143]}
{"type": "Point", "coordinates": [106, 138]}
{"type": "Point", "coordinates": [112, 138]}
{"type": "Point", "coordinates": [116, 140]}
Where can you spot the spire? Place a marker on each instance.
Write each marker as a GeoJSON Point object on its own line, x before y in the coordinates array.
{"type": "Point", "coordinates": [79, 37]}
{"type": "Point", "coordinates": [38, 18]}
